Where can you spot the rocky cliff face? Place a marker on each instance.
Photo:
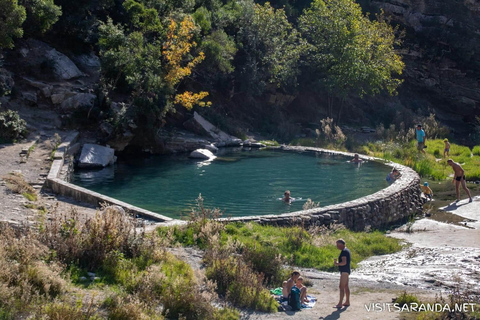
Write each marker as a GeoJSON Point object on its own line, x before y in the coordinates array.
{"type": "Point", "coordinates": [441, 50]}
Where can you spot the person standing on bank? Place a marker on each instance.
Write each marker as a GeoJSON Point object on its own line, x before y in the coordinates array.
{"type": "Point", "coordinates": [420, 138]}
{"type": "Point", "coordinates": [343, 264]}
{"type": "Point", "coordinates": [459, 179]}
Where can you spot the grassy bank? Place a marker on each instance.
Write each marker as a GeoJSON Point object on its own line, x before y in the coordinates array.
{"type": "Point", "coordinates": [431, 164]}
{"type": "Point", "coordinates": [299, 247]}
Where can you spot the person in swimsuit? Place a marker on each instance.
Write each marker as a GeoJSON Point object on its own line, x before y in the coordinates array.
{"type": "Point", "coordinates": [459, 179]}
{"type": "Point", "coordinates": [392, 176]}
{"type": "Point", "coordinates": [287, 285]}
{"type": "Point", "coordinates": [356, 159]}
{"type": "Point", "coordinates": [446, 151]}
{"type": "Point", "coordinates": [343, 264]}
{"type": "Point", "coordinates": [286, 197]}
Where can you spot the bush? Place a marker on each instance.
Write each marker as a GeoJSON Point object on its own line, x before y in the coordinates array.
{"type": "Point", "coordinates": [406, 298]}
{"type": "Point", "coordinates": [41, 16]}
{"type": "Point", "coordinates": [26, 275]}
{"type": "Point", "coordinates": [11, 21]}
{"type": "Point", "coordinates": [11, 125]}
{"type": "Point", "coordinates": [17, 184]}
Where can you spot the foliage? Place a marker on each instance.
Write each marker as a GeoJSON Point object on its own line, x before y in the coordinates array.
{"type": "Point", "coordinates": [295, 245]}
{"type": "Point", "coordinates": [271, 48]}
{"type": "Point", "coordinates": [41, 16]}
{"type": "Point", "coordinates": [219, 51]}
{"type": "Point", "coordinates": [149, 65]}
{"type": "Point", "coordinates": [406, 298]}
{"type": "Point", "coordinates": [13, 15]}
{"type": "Point", "coordinates": [12, 126]}
{"type": "Point", "coordinates": [330, 134]}
{"type": "Point", "coordinates": [347, 52]}
{"type": "Point", "coordinates": [26, 275]}
{"type": "Point", "coordinates": [428, 165]}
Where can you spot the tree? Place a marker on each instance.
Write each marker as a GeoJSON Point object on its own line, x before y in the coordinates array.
{"type": "Point", "coordinates": [348, 52]}
{"type": "Point", "coordinates": [41, 15]}
{"type": "Point", "coordinates": [11, 18]}
{"type": "Point", "coordinates": [149, 66]}
{"type": "Point", "coordinates": [271, 47]}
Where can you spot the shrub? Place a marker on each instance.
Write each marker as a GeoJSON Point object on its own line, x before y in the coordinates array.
{"type": "Point", "coordinates": [476, 151]}
{"type": "Point", "coordinates": [11, 21]}
{"type": "Point", "coordinates": [25, 273]}
{"type": "Point", "coordinates": [88, 241]}
{"type": "Point", "coordinates": [406, 298]}
{"type": "Point", "coordinates": [41, 16]}
{"type": "Point", "coordinates": [11, 125]}
{"type": "Point", "coordinates": [238, 283]}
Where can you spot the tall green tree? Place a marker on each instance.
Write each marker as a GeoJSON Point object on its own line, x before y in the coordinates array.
{"type": "Point", "coordinates": [271, 47]}
{"type": "Point", "coordinates": [41, 16]}
{"type": "Point", "coordinates": [11, 18]}
{"type": "Point", "coordinates": [349, 53]}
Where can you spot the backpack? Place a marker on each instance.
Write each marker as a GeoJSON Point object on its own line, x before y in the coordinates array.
{"type": "Point", "coordinates": [294, 299]}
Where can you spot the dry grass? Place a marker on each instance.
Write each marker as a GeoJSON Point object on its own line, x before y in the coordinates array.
{"type": "Point", "coordinates": [16, 183]}
{"type": "Point", "coordinates": [26, 274]}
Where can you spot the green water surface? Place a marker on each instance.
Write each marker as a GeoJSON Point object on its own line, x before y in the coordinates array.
{"type": "Point", "coordinates": [240, 182]}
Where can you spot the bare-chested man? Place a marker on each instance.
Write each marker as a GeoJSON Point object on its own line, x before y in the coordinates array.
{"type": "Point", "coordinates": [287, 285]}
{"type": "Point", "coordinates": [343, 264]}
{"type": "Point", "coordinates": [459, 179]}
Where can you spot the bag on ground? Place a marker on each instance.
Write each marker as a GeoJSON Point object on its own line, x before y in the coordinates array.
{"type": "Point", "coordinates": [294, 299]}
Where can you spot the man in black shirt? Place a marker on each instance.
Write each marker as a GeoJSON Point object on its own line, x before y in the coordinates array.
{"type": "Point", "coordinates": [343, 264]}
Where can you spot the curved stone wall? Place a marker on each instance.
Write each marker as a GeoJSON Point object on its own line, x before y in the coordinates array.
{"type": "Point", "coordinates": [390, 205]}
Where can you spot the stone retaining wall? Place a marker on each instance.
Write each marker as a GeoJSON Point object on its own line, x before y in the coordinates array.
{"type": "Point", "coordinates": [385, 207]}
{"type": "Point", "coordinates": [56, 182]}
{"type": "Point", "coordinates": [388, 206]}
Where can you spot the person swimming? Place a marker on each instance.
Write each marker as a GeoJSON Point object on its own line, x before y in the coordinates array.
{"type": "Point", "coordinates": [286, 197]}
{"type": "Point", "coordinates": [356, 159]}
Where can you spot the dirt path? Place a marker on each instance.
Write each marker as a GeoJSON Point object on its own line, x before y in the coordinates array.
{"type": "Point", "coordinates": [31, 158]}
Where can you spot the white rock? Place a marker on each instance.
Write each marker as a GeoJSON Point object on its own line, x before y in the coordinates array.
{"type": "Point", "coordinates": [94, 155]}
{"type": "Point", "coordinates": [202, 154]}
{"type": "Point", "coordinates": [211, 147]}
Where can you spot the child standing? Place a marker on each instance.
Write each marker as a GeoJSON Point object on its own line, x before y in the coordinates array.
{"type": "Point", "coordinates": [427, 191]}
{"type": "Point", "coordinates": [446, 151]}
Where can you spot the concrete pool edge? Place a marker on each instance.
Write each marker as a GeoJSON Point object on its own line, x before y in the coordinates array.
{"type": "Point", "coordinates": [390, 205]}
{"type": "Point", "coordinates": [58, 185]}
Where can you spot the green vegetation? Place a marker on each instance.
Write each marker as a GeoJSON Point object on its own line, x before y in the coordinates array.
{"type": "Point", "coordinates": [313, 248]}
{"type": "Point", "coordinates": [17, 184]}
{"type": "Point", "coordinates": [432, 164]}
{"type": "Point", "coordinates": [11, 21]}
{"type": "Point", "coordinates": [12, 127]}
{"type": "Point", "coordinates": [133, 271]}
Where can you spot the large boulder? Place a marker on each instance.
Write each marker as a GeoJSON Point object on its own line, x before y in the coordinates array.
{"type": "Point", "coordinates": [79, 100]}
{"type": "Point", "coordinates": [94, 155]}
{"type": "Point", "coordinates": [63, 67]}
{"type": "Point", "coordinates": [38, 59]}
{"type": "Point", "coordinates": [203, 154]}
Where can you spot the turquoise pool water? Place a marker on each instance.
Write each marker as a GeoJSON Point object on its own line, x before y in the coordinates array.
{"type": "Point", "coordinates": [240, 182]}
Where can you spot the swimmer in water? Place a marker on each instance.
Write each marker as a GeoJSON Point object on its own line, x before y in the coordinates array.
{"type": "Point", "coordinates": [286, 197]}
{"type": "Point", "coordinates": [356, 159]}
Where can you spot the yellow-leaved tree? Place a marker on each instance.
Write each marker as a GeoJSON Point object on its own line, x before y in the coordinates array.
{"type": "Point", "coordinates": [176, 49]}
